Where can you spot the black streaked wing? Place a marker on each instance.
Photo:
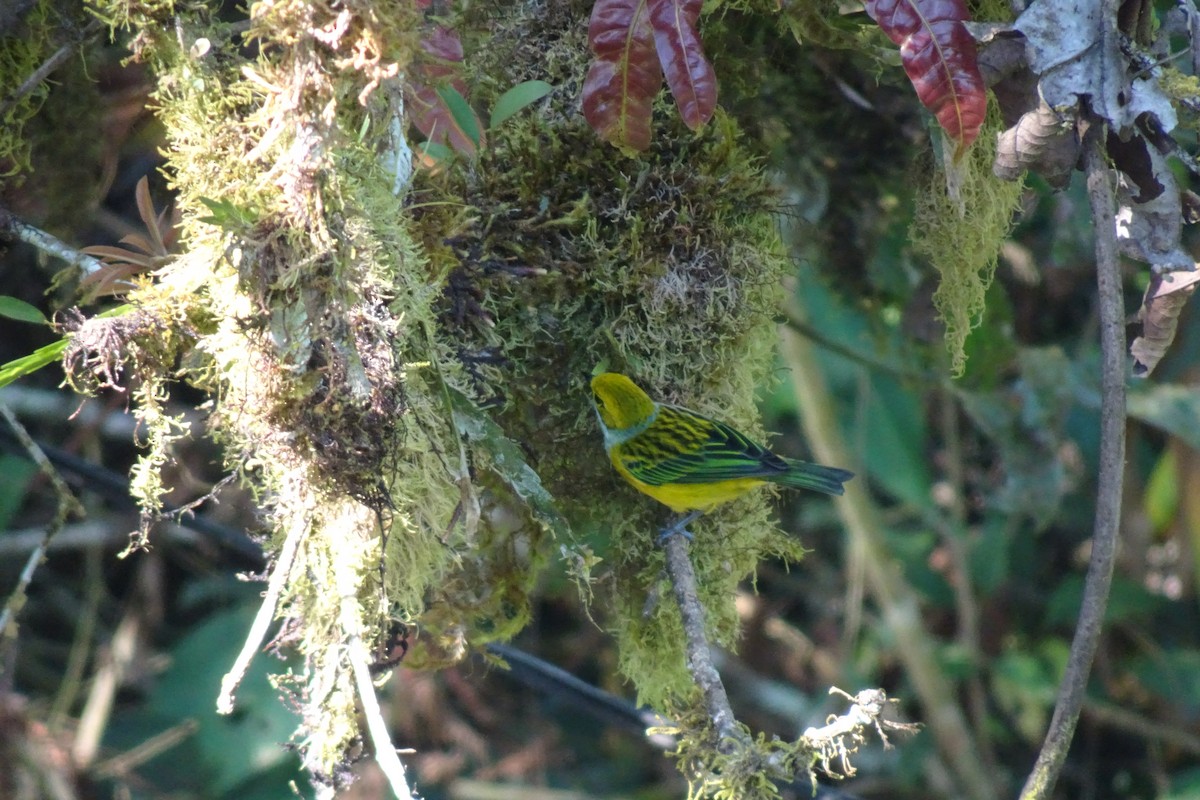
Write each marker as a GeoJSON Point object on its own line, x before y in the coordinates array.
{"type": "Point", "coordinates": [685, 447]}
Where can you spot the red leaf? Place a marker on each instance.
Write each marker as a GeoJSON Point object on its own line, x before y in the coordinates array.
{"type": "Point", "coordinates": [428, 110]}
{"type": "Point", "coordinates": [681, 55]}
{"type": "Point", "coordinates": [625, 75]}
{"type": "Point", "coordinates": [443, 43]}
{"type": "Point", "coordinates": [939, 57]}
{"type": "Point", "coordinates": [433, 117]}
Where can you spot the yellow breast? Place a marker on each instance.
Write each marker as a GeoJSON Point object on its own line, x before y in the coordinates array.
{"type": "Point", "coordinates": [683, 497]}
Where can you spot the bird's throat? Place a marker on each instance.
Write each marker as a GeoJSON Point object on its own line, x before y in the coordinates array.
{"type": "Point", "coordinates": [616, 436]}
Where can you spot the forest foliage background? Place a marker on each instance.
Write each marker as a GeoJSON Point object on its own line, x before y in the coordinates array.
{"type": "Point", "coordinates": [984, 480]}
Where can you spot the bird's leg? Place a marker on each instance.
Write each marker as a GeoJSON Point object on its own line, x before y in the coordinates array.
{"type": "Point", "coordinates": [679, 526]}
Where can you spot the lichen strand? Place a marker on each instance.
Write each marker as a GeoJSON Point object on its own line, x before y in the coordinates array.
{"type": "Point", "coordinates": [569, 255]}
{"type": "Point", "coordinates": [961, 236]}
{"type": "Point", "coordinates": [137, 350]}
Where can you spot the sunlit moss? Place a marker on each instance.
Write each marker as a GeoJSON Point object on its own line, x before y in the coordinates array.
{"type": "Point", "coordinates": [1184, 91]}
{"type": "Point", "coordinates": [20, 55]}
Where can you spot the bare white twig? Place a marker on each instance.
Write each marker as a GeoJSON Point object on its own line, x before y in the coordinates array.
{"type": "Point", "coordinates": [385, 752]}
{"type": "Point", "coordinates": [262, 620]}
{"type": "Point", "coordinates": [360, 660]}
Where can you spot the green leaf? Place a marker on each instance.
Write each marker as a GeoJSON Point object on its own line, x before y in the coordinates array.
{"type": "Point", "coordinates": [436, 151]}
{"type": "Point", "coordinates": [517, 98]}
{"type": "Point", "coordinates": [1168, 407]}
{"type": "Point", "coordinates": [1160, 501]}
{"type": "Point", "coordinates": [882, 411]}
{"type": "Point", "coordinates": [1173, 674]}
{"type": "Point", "coordinates": [507, 460]}
{"type": "Point", "coordinates": [225, 214]}
{"type": "Point", "coordinates": [222, 754]}
{"type": "Point", "coordinates": [1185, 785]}
{"type": "Point", "coordinates": [20, 367]}
{"type": "Point", "coordinates": [1128, 602]}
{"type": "Point", "coordinates": [17, 472]}
{"type": "Point", "coordinates": [461, 110]}
{"type": "Point", "coordinates": [990, 554]}
{"type": "Point", "coordinates": [21, 311]}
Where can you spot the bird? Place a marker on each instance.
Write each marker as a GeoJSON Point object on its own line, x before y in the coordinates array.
{"type": "Point", "coordinates": [687, 461]}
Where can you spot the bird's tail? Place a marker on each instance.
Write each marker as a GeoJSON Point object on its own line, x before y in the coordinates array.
{"type": "Point", "coordinates": [804, 475]}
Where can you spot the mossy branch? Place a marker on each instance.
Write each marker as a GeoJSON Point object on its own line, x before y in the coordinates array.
{"type": "Point", "coordinates": [737, 764]}
{"type": "Point", "coordinates": [15, 228]}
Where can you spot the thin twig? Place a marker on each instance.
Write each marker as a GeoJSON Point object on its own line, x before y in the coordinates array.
{"type": "Point", "coordinates": [121, 765]}
{"type": "Point", "coordinates": [263, 619]}
{"type": "Point", "coordinates": [82, 643]}
{"type": "Point", "coordinates": [1152, 728]}
{"type": "Point", "coordinates": [804, 328]}
{"type": "Point", "coordinates": [699, 657]}
{"type": "Point", "coordinates": [11, 226]}
{"type": "Point", "coordinates": [115, 664]}
{"type": "Point", "coordinates": [56, 60]}
{"type": "Point", "coordinates": [953, 534]}
{"type": "Point", "coordinates": [385, 752]}
{"type": "Point", "coordinates": [1041, 781]}
{"type": "Point", "coordinates": [350, 620]}
{"type": "Point", "coordinates": [67, 506]}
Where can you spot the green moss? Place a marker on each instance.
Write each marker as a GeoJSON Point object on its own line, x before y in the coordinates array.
{"type": "Point", "coordinates": [749, 769]}
{"type": "Point", "coordinates": [22, 51]}
{"type": "Point", "coordinates": [565, 254]}
{"type": "Point", "coordinates": [138, 14]}
{"type": "Point", "coordinates": [1184, 91]}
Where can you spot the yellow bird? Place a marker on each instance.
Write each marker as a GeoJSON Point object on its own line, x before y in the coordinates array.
{"type": "Point", "coordinates": [687, 461]}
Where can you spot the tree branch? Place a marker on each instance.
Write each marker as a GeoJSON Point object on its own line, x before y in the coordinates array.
{"type": "Point", "coordinates": [699, 658]}
{"type": "Point", "coordinates": [67, 505]}
{"type": "Point", "coordinates": [1040, 783]}
{"type": "Point", "coordinates": [11, 227]}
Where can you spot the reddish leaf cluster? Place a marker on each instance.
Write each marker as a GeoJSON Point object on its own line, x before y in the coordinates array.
{"type": "Point", "coordinates": [939, 57]}
{"type": "Point", "coordinates": [441, 67]}
{"type": "Point", "coordinates": [636, 43]}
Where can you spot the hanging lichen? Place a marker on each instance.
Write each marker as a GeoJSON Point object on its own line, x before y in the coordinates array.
{"type": "Point", "coordinates": [960, 231]}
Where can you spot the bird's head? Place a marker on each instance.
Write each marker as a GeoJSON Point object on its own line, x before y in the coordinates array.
{"type": "Point", "coordinates": [620, 404]}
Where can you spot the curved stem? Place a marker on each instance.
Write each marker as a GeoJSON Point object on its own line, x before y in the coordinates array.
{"type": "Point", "coordinates": [1040, 783]}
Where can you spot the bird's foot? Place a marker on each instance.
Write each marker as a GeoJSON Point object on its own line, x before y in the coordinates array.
{"type": "Point", "coordinates": [679, 527]}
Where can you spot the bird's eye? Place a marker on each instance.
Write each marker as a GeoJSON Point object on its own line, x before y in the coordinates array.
{"type": "Point", "coordinates": [596, 399]}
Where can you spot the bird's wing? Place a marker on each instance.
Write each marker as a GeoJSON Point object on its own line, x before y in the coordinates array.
{"type": "Point", "coordinates": [682, 446]}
